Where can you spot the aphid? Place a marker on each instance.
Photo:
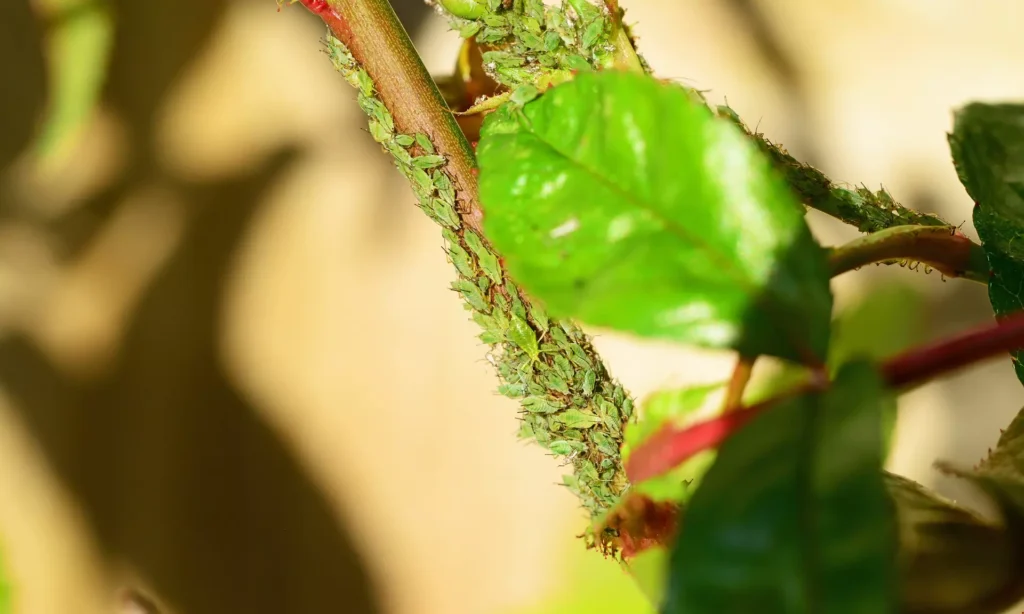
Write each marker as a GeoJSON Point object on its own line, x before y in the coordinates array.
{"type": "Point", "coordinates": [465, 9]}
{"type": "Point", "coordinates": [522, 335]}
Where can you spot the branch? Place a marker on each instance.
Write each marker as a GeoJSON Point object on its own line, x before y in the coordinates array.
{"type": "Point", "coordinates": [570, 405]}
{"type": "Point", "coordinates": [671, 446]}
{"type": "Point", "coordinates": [948, 251]}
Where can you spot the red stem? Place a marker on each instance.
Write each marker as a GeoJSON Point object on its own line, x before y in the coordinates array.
{"type": "Point", "coordinates": [671, 446]}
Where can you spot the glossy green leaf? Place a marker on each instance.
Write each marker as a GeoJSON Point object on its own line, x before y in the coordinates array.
{"type": "Point", "coordinates": [619, 201]}
{"type": "Point", "coordinates": [988, 151]}
{"type": "Point", "coordinates": [794, 516]}
{"type": "Point", "coordinates": [680, 408]}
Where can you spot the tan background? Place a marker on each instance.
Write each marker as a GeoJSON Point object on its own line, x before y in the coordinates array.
{"type": "Point", "coordinates": [225, 331]}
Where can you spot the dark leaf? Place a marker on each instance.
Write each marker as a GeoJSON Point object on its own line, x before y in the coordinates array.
{"type": "Point", "coordinates": [793, 517]}
{"type": "Point", "coordinates": [988, 150]}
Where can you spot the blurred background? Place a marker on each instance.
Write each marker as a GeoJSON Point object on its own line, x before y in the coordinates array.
{"type": "Point", "coordinates": [232, 376]}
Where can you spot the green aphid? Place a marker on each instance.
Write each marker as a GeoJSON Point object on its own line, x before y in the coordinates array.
{"type": "Point", "coordinates": [552, 41]}
{"type": "Point", "coordinates": [577, 419]}
{"type": "Point", "coordinates": [366, 84]}
{"type": "Point", "coordinates": [517, 305]}
{"type": "Point", "coordinates": [589, 379]}
{"type": "Point", "coordinates": [587, 472]}
{"type": "Point", "coordinates": [524, 94]}
{"type": "Point", "coordinates": [428, 161]}
{"type": "Point", "coordinates": [605, 445]}
{"type": "Point", "coordinates": [494, 5]}
{"type": "Point", "coordinates": [531, 40]}
{"type": "Point", "coordinates": [484, 283]}
{"type": "Point", "coordinates": [465, 9]}
{"type": "Point", "coordinates": [559, 336]}
{"type": "Point", "coordinates": [460, 258]}
{"type": "Point", "coordinates": [424, 142]}
{"type": "Point", "coordinates": [495, 21]}
{"type": "Point", "coordinates": [580, 357]}
{"type": "Point", "coordinates": [565, 448]}
{"type": "Point", "coordinates": [378, 131]}
{"type": "Point", "coordinates": [627, 409]}
{"type": "Point", "coordinates": [555, 382]}
{"type": "Point", "coordinates": [576, 62]}
{"type": "Point", "coordinates": [540, 317]}
{"type": "Point", "coordinates": [484, 321]}
{"type": "Point", "coordinates": [471, 292]}
{"type": "Point", "coordinates": [572, 435]}
{"type": "Point", "coordinates": [619, 395]}
{"type": "Point", "coordinates": [444, 187]}
{"type": "Point", "coordinates": [488, 261]}
{"type": "Point", "coordinates": [492, 35]}
{"type": "Point", "coordinates": [539, 405]}
{"type": "Point", "coordinates": [403, 140]}
{"type": "Point", "coordinates": [469, 30]}
{"type": "Point", "coordinates": [502, 58]}
{"type": "Point", "coordinates": [565, 369]}
{"type": "Point", "coordinates": [513, 391]}
{"type": "Point", "coordinates": [523, 336]}
{"type": "Point", "coordinates": [445, 213]}
{"type": "Point", "coordinates": [593, 33]}
{"type": "Point", "coordinates": [525, 431]}
{"type": "Point", "coordinates": [404, 160]}
{"type": "Point", "coordinates": [421, 179]}
{"type": "Point", "coordinates": [490, 337]}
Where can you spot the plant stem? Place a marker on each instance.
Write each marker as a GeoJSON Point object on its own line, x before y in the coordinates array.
{"type": "Point", "coordinates": [671, 446]}
{"type": "Point", "coordinates": [949, 252]}
{"type": "Point", "coordinates": [556, 373]}
{"type": "Point", "coordinates": [922, 364]}
{"type": "Point", "coordinates": [378, 42]}
{"type": "Point", "coordinates": [738, 381]}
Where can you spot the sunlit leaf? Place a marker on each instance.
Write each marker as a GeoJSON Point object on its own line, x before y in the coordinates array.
{"type": "Point", "coordinates": [988, 150]}
{"type": "Point", "coordinates": [620, 201]}
{"type": "Point", "coordinates": [794, 517]}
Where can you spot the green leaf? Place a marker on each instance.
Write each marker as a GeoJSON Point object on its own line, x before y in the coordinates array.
{"type": "Point", "coordinates": [617, 200]}
{"type": "Point", "coordinates": [794, 517]}
{"type": "Point", "coordinates": [988, 151]}
{"type": "Point", "coordinates": [680, 408]}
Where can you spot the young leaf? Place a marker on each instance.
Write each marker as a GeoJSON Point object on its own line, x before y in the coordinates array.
{"type": "Point", "coordinates": [988, 151]}
{"type": "Point", "coordinates": [679, 407]}
{"type": "Point", "coordinates": [618, 200]}
{"type": "Point", "coordinates": [793, 517]}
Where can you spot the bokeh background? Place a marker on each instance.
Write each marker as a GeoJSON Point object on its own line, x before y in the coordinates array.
{"type": "Point", "coordinates": [232, 375]}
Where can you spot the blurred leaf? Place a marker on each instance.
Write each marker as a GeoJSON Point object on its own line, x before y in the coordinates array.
{"type": "Point", "coordinates": [988, 151]}
{"type": "Point", "coordinates": [618, 200]}
{"type": "Point", "coordinates": [650, 570]}
{"type": "Point", "coordinates": [680, 407]}
{"type": "Point", "coordinates": [591, 584]}
{"type": "Point", "coordinates": [5, 588]}
{"type": "Point", "coordinates": [952, 561]}
{"type": "Point", "coordinates": [793, 516]}
{"type": "Point", "coordinates": [79, 42]}
{"type": "Point", "coordinates": [886, 321]}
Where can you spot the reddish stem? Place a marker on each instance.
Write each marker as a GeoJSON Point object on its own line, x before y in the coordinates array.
{"type": "Point", "coordinates": [671, 446]}
{"type": "Point", "coordinates": [921, 364]}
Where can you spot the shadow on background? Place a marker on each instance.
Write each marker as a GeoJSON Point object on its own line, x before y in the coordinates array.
{"type": "Point", "coordinates": [177, 474]}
